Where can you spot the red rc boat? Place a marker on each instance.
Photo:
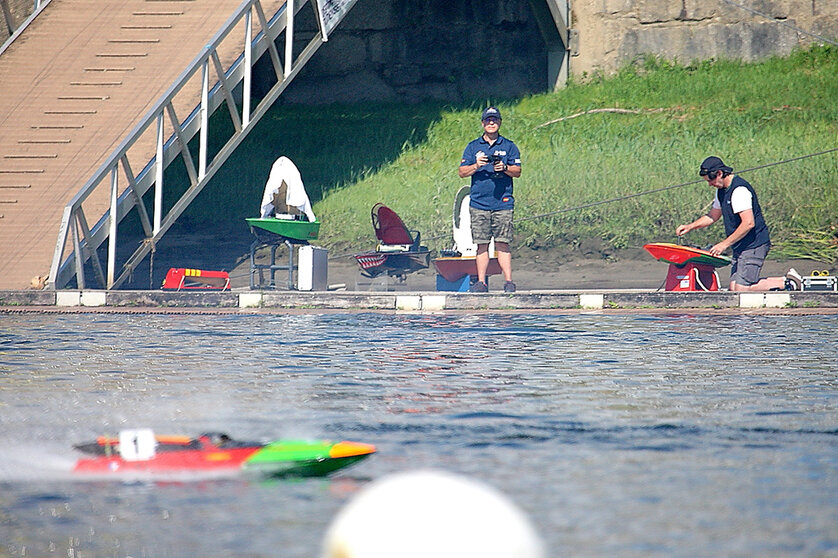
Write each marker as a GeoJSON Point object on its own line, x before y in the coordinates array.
{"type": "Point", "coordinates": [690, 268]}
{"type": "Point", "coordinates": [140, 451]}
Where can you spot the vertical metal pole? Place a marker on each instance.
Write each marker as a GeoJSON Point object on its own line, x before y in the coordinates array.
{"type": "Point", "coordinates": [289, 35]}
{"type": "Point", "coordinates": [248, 60]}
{"type": "Point", "coordinates": [79, 260]}
{"type": "Point", "coordinates": [158, 176]}
{"type": "Point", "coordinates": [112, 228]}
{"type": "Point", "coordinates": [290, 265]}
{"type": "Point", "coordinates": [565, 68]}
{"type": "Point", "coordinates": [202, 150]}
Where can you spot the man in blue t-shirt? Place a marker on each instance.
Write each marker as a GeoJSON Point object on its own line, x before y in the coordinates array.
{"type": "Point", "coordinates": [747, 234]}
{"type": "Point", "coordinates": [492, 161]}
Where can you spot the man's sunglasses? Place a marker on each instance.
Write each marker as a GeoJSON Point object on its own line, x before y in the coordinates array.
{"type": "Point", "coordinates": [492, 119]}
{"type": "Point", "coordinates": [708, 173]}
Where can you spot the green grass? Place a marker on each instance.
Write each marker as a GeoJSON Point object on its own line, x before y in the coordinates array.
{"type": "Point", "coordinates": [406, 156]}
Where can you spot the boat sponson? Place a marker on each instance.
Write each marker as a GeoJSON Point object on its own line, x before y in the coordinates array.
{"type": "Point", "coordinates": [306, 458]}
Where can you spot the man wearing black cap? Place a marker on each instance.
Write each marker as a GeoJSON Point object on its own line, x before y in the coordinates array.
{"type": "Point", "coordinates": [747, 234]}
{"type": "Point", "coordinates": [492, 161]}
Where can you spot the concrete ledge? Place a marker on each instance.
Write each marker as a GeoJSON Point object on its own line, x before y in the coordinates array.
{"type": "Point", "coordinates": [68, 298]}
{"type": "Point", "coordinates": [764, 300]}
{"type": "Point", "coordinates": [93, 298]}
{"type": "Point", "coordinates": [433, 302]}
{"type": "Point", "coordinates": [671, 300]}
{"type": "Point", "coordinates": [591, 301]}
{"type": "Point", "coordinates": [517, 301]}
{"type": "Point", "coordinates": [250, 300]}
{"type": "Point", "coordinates": [178, 299]}
{"type": "Point", "coordinates": [417, 301]}
{"type": "Point", "coordinates": [777, 300]}
{"type": "Point", "coordinates": [341, 300]}
{"type": "Point", "coordinates": [814, 299]}
{"type": "Point", "coordinates": [408, 302]}
{"type": "Point", "coordinates": [27, 298]}
{"type": "Point", "coordinates": [751, 300]}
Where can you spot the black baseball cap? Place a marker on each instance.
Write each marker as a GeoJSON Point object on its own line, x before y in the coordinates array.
{"type": "Point", "coordinates": [490, 112]}
{"type": "Point", "coordinates": [712, 164]}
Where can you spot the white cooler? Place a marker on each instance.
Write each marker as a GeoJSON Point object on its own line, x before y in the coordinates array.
{"type": "Point", "coordinates": [313, 269]}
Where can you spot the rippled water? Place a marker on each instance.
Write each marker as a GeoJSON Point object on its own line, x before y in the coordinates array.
{"type": "Point", "coordinates": [618, 435]}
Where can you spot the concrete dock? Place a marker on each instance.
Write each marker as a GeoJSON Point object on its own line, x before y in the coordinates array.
{"type": "Point", "coordinates": [825, 302]}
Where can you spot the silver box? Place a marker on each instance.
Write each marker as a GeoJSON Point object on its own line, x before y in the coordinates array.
{"type": "Point", "coordinates": [820, 283]}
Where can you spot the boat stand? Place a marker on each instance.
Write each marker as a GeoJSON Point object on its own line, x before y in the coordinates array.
{"type": "Point", "coordinates": [271, 267]}
{"type": "Point", "coordinates": [692, 277]}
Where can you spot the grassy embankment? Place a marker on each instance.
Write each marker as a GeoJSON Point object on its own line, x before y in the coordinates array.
{"type": "Point", "coordinates": [407, 157]}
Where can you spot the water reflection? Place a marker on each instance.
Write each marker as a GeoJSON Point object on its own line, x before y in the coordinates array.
{"type": "Point", "coordinates": [620, 435]}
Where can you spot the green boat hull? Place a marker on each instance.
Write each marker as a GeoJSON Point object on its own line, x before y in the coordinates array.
{"type": "Point", "coordinates": [304, 458]}
{"type": "Point", "coordinates": [300, 469]}
{"type": "Point", "coordinates": [294, 230]}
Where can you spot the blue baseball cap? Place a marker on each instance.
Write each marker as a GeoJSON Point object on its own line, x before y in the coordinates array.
{"type": "Point", "coordinates": [490, 112]}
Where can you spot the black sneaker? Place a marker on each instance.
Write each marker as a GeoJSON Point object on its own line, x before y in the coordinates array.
{"type": "Point", "coordinates": [509, 287]}
{"type": "Point", "coordinates": [479, 287]}
{"type": "Point", "coordinates": [794, 281]}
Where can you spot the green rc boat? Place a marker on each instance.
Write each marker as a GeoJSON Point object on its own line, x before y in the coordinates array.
{"type": "Point", "coordinates": [270, 229]}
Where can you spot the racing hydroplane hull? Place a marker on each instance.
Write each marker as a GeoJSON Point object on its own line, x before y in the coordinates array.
{"type": "Point", "coordinates": [146, 453]}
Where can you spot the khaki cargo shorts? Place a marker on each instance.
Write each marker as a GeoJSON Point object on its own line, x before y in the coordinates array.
{"type": "Point", "coordinates": [487, 224]}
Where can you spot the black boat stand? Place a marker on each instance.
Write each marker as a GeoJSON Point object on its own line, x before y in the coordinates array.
{"type": "Point", "coordinates": [272, 267]}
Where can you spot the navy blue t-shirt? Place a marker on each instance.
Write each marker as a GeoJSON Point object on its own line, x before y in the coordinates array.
{"type": "Point", "coordinates": [491, 190]}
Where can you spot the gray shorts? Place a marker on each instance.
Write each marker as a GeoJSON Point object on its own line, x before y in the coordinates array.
{"type": "Point", "coordinates": [487, 224]}
{"type": "Point", "coordinates": [747, 265]}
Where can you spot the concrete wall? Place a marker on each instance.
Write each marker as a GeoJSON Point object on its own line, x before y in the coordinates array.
{"type": "Point", "coordinates": [614, 32]}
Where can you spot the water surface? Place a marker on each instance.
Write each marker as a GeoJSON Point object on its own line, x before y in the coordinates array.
{"type": "Point", "coordinates": [619, 435]}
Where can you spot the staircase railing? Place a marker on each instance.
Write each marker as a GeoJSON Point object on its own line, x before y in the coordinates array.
{"type": "Point", "coordinates": [126, 189]}
{"type": "Point", "coordinates": [14, 33]}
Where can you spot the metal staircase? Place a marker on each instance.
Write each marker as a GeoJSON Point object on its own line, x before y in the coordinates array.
{"type": "Point", "coordinates": [217, 86]}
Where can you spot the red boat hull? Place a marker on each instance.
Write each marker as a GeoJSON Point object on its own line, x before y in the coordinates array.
{"type": "Point", "coordinates": [194, 460]}
{"type": "Point", "coordinates": [140, 451]}
{"type": "Point", "coordinates": [454, 269]}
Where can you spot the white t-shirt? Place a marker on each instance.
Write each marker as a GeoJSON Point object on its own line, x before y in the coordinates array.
{"type": "Point", "coordinates": [740, 200]}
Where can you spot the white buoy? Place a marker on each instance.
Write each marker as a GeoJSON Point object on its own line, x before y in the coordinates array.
{"type": "Point", "coordinates": [424, 514]}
